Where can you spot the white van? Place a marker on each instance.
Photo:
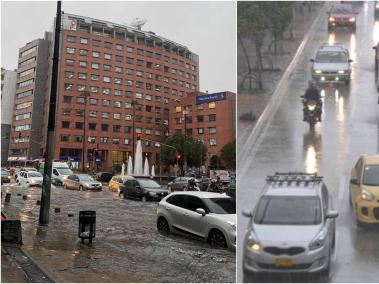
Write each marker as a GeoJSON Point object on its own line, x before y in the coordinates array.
{"type": "Point", "coordinates": [61, 170]}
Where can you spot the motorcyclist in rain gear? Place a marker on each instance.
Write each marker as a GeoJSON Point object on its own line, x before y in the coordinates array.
{"type": "Point", "coordinates": [192, 183]}
{"type": "Point", "coordinates": [312, 93]}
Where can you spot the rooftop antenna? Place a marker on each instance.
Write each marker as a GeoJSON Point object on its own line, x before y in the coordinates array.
{"type": "Point", "coordinates": [138, 23]}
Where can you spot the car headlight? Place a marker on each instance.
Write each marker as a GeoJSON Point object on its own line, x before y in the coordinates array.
{"type": "Point", "coordinates": [318, 71]}
{"type": "Point", "coordinates": [87, 185]}
{"type": "Point", "coordinates": [319, 240]}
{"type": "Point", "coordinates": [341, 71]}
{"type": "Point", "coordinates": [152, 193]}
{"type": "Point", "coordinates": [366, 195]}
{"type": "Point", "coordinates": [331, 19]}
{"type": "Point", "coordinates": [352, 19]}
{"type": "Point", "coordinates": [311, 107]}
{"type": "Point", "coordinates": [253, 243]}
{"type": "Point", "coordinates": [9, 177]}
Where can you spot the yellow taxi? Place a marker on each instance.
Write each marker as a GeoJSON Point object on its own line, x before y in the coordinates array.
{"type": "Point", "coordinates": [116, 182]}
{"type": "Point", "coordinates": [364, 189]}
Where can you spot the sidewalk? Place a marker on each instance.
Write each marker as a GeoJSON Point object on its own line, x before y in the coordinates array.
{"type": "Point", "coordinates": [256, 101]}
{"type": "Point", "coordinates": [10, 271]}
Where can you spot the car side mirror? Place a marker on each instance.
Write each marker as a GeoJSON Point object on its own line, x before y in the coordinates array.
{"type": "Point", "coordinates": [200, 211]}
{"type": "Point", "coordinates": [350, 60]}
{"type": "Point", "coordinates": [247, 213]}
{"type": "Point", "coordinates": [354, 181]}
{"type": "Point", "coordinates": [312, 60]}
{"type": "Point", "coordinates": [332, 214]}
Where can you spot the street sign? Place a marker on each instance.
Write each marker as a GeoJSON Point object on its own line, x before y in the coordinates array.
{"type": "Point", "coordinates": [211, 98]}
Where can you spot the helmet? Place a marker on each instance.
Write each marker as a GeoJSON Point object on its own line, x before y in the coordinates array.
{"type": "Point", "coordinates": [312, 83]}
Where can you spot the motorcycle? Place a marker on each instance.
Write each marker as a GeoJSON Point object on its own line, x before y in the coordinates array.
{"type": "Point", "coordinates": [311, 108]}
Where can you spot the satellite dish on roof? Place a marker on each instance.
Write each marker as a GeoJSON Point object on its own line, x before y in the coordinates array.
{"type": "Point", "coordinates": [138, 23]}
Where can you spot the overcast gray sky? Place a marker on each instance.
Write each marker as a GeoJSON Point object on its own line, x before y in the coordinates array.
{"type": "Point", "coordinates": [206, 28]}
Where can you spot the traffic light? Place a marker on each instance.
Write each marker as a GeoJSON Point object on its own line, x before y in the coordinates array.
{"type": "Point", "coordinates": [138, 136]}
{"type": "Point", "coordinates": [178, 156]}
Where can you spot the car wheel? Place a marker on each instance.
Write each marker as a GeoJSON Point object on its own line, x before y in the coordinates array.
{"type": "Point", "coordinates": [217, 239]}
{"type": "Point", "coordinates": [59, 183]}
{"type": "Point", "coordinates": [162, 225]}
{"type": "Point", "coordinates": [81, 188]}
{"type": "Point", "coordinates": [143, 198]}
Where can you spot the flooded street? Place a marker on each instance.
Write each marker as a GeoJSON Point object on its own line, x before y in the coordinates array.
{"type": "Point", "coordinates": [127, 246]}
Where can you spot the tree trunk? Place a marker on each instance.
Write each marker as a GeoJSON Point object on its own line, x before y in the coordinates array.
{"type": "Point", "coordinates": [258, 47]}
{"type": "Point", "coordinates": [247, 60]}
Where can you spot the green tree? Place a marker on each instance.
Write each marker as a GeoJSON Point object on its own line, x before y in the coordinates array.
{"type": "Point", "coordinates": [228, 155]}
{"type": "Point", "coordinates": [215, 163]}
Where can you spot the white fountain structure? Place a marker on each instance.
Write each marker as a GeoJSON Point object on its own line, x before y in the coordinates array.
{"type": "Point", "coordinates": [138, 169]}
{"type": "Point", "coordinates": [129, 169]}
{"type": "Point", "coordinates": [146, 168]}
{"type": "Point", "coordinates": [152, 171]}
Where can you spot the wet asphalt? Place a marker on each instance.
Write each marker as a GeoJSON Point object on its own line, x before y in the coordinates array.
{"type": "Point", "coordinates": [127, 246]}
{"type": "Point", "coordinates": [350, 127]}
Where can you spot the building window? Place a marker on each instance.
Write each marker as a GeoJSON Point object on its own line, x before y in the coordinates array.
{"type": "Point", "coordinates": [117, 92]}
{"type": "Point", "coordinates": [127, 129]}
{"type": "Point", "coordinates": [94, 89]}
{"type": "Point", "coordinates": [200, 118]}
{"type": "Point", "coordinates": [96, 43]}
{"type": "Point", "coordinates": [84, 40]}
{"type": "Point", "coordinates": [82, 76]}
{"type": "Point", "coordinates": [107, 56]}
{"type": "Point", "coordinates": [126, 141]}
{"type": "Point", "coordinates": [104, 127]}
{"type": "Point", "coordinates": [129, 49]}
{"type": "Point", "coordinates": [105, 115]}
{"type": "Point", "coordinates": [70, 50]}
{"type": "Point", "coordinates": [80, 100]}
{"type": "Point", "coordinates": [212, 142]}
{"type": "Point", "coordinates": [65, 124]}
{"type": "Point", "coordinates": [118, 69]}
{"type": "Point", "coordinates": [106, 91]}
{"type": "Point", "coordinates": [83, 63]}
{"type": "Point", "coordinates": [148, 108]}
{"type": "Point", "coordinates": [65, 138]}
{"type": "Point", "coordinates": [212, 105]}
{"type": "Point", "coordinates": [78, 138]}
{"type": "Point", "coordinates": [71, 38]}
{"type": "Point", "coordinates": [138, 107]}
{"type": "Point", "coordinates": [117, 104]}
{"type": "Point", "coordinates": [119, 58]}
{"type": "Point", "coordinates": [138, 96]}
{"type": "Point", "coordinates": [92, 126]}
{"type": "Point", "coordinates": [148, 97]}
{"type": "Point", "coordinates": [115, 140]}
{"type": "Point", "coordinates": [139, 73]}
{"type": "Point", "coordinates": [129, 83]}
{"type": "Point", "coordinates": [129, 60]}
{"type": "Point", "coordinates": [200, 107]}
{"type": "Point", "coordinates": [116, 115]}
{"type": "Point", "coordinates": [79, 125]}
{"type": "Point", "coordinates": [148, 131]}
{"type": "Point", "coordinates": [138, 130]}
{"type": "Point", "coordinates": [83, 52]}
{"type": "Point", "coordinates": [117, 80]}
{"type": "Point", "coordinates": [66, 111]}
{"type": "Point", "coordinates": [128, 117]}
{"type": "Point", "coordinates": [129, 71]}
{"type": "Point", "coordinates": [107, 67]}
{"type": "Point", "coordinates": [80, 112]}
{"type": "Point", "coordinates": [28, 51]}
{"type": "Point", "coordinates": [108, 45]}
{"type": "Point", "coordinates": [212, 130]}
{"type": "Point", "coordinates": [92, 139]}
{"type": "Point", "coordinates": [178, 109]}
{"type": "Point", "coordinates": [95, 66]}
{"type": "Point", "coordinates": [104, 140]}
{"type": "Point", "coordinates": [81, 88]}
{"type": "Point", "coordinates": [93, 101]}
{"type": "Point", "coordinates": [116, 128]}
{"type": "Point", "coordinates": [95, 54]}
{"type": "Point", "coordinates": [92, 113]}
{"type": "Point", "coordinates": [106, 102]}
{"type": "Point", "coordinates": [68, 74]}
{"type": "Point", "coordinates": [106, 79]}
{"type": "Point", "coordinates": [69, 62]}
{"type": "Point", "coordinates": [128, 105]}
{"type": "Point", "coordinates": [94, 77]}
{"type": "Point", "coordinates": [140, 62]}
{"type": "Point", "coordinates": [119, 47]}
{"type": "Point", "coordinates": [67, 99]}
{"type": "Point", "coordinates": [212, 117]}
{"type": "Point", "coordinates": [68, 86]}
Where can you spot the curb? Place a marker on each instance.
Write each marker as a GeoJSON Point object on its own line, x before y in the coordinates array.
{"type": "Point", "coordinates": [256, 136]}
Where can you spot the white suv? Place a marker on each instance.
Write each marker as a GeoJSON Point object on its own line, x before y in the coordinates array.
{"type": "Point", "coordinates": [207, 215]}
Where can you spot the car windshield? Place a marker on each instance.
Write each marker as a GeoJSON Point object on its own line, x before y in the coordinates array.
{"type": "Point", "coordinates": [34, 174]}
{"type": "Point", "coordinates": [331, 57]}
{"type": "Point", "coordinates": [148, 183]}
{"type": "Point", "coordinates": [221, 205]}
{"type": "Point", "coordinates": [342, 10]}
{"type": "Point", "coordinates": [288, 210]}
{"type": "Point", "coordinates": [65, 171]}
{"type": "Point", "coordinates": [85, 178]}
{"type": "Point", "coordinates": [371, 175]}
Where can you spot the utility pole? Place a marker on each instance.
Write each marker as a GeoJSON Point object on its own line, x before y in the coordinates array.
{"type": "Point", "coordinates": [49, 153]}
{"type": "Point", "coordinates": [185, 112]}
{"type": "Point", "coordinates": [133, 121]}
{"type": "Point", "coordinates": [85, 95]}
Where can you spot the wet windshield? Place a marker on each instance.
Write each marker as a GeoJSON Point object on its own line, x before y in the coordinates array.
{"type": "Point", "coordinates": [331, 57]}
{"type": "Point", "coordinates": [34, 175]}
{"type": "Point", "coordinates": [65, 171]}
{"type": "Point", "coordinates": [288, 210]}
{"type": "Point", "coordinates": [342, 10]}
{"type": "Point", "coordinates": [371, 175]}
{"type": "Point", "coordinates": [221, 205]}
{"type": "Point", "coordinates": [148, 183]}
{"type": "Point", "coordinates": [85, 178]}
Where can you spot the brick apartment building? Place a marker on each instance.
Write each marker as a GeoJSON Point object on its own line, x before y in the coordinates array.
{"type": "Point", "coordinates": [28, 112]}
{"type": "Point", "coordinates": [209, 118]}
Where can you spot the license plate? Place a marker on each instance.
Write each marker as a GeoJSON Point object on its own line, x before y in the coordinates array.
{"type": "Point", "coordinates": [281, 261]}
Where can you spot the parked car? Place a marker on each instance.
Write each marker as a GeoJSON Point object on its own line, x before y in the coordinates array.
{"type": "Point", "coordinates": [104, 176]}
{"type": "Point", "coordinates": [292, 228]}
{"type": "Point", "coordinates": [206, 215]}
{"type": "Point", "coordinates": [117, 181]}
{"type": "Point", "coordinates": [332, 64]}
{"type": "Point", "coordinates": [30, 178]}
{"type": "Point", "coordinates": [180, 183]}
{"type": "Point", "coordinates": [364, 189]}
{"type": "Point", "coordinates": [81, 182]}
{"type": "Point", "coordinates": [60, 172]}
{"type": "Point", "coordinates": [23, 169]}
{"type": "Point", "coordinates": [5, 176]}
{"type": "Point", "coordinates": [143, 189]}
{"type": "Point", "coordinates": [342, 15]}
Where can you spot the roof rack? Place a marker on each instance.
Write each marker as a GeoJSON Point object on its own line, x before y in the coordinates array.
{"type": "Point", "coordinates": [294, 177]}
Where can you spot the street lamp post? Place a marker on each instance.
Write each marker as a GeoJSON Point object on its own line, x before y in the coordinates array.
{"type": "Point", "coordinates": [185, 112]}
{"type": "Point", "coordinates": [85, 95]}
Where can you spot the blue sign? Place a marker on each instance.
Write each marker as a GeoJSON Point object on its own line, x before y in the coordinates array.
{"type": "Point", "coordinates": [211, 98]}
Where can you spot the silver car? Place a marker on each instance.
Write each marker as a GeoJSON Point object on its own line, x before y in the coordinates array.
{"type": "Point", "coordinates": [292, 228]}
{"type": "Point", "coordinates": [81, 182]}
{"type": "Point", "coordinates": [207, 215]}
{"type": "Point", "coordinates": [331, 64]}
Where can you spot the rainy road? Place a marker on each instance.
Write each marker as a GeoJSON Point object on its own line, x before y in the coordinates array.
{"type": "Point", "coordinates": [127, 247]}
{"type": "Point", "coordinates": [350, 128]}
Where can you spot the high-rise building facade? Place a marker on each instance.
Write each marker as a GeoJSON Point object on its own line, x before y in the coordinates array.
{"type": "Point", "coordinates": [26, 142]}
{"type": "Point", "coordinates": [8, 91]}
{"type": "Point", "coordinates": [206, 117]}
{"type": "Point", "coordinates": [116, 81]}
